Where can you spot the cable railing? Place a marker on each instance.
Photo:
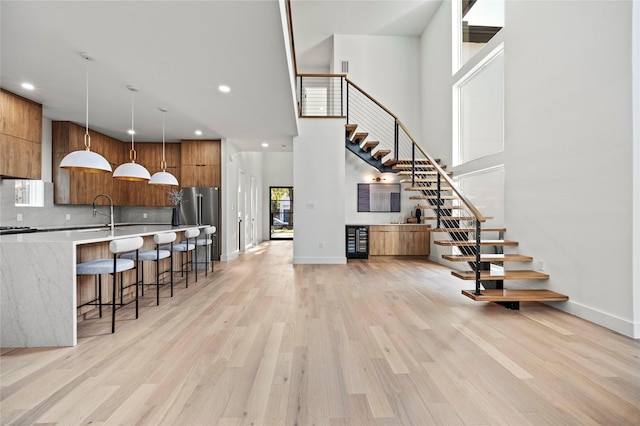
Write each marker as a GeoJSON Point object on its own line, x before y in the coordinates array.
{"type": "Point", "coordinates": [434, 191]}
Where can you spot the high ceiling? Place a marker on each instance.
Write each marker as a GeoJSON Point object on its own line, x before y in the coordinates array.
{"type": "Point", "coordinates": [177, 53]}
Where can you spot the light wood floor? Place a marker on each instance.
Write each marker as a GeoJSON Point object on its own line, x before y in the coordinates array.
{"type": "Point", "coordinates": [378, 342]}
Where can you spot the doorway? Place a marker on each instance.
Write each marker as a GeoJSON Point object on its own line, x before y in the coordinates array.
{"type": "Point", "coordinates": [281, 212]}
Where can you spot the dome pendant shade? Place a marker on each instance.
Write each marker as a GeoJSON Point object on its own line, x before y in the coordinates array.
{"type": "Point", "coordinates": [163, 178]}
{"type": "Point", "coordinates": [85, 161]}
{"type": "Point", "coordinates": [132, 172]}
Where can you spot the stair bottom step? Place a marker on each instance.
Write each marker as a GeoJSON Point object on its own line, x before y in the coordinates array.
{"type": "Point", "coordinates": [500, 276]}
{"type": "Point", "coordinates": [516, 296]}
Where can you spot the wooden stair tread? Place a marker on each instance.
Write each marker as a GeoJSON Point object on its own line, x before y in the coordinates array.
{"type": "Point", "coordinates": [442, 207]}
{"type": "Point", "coordinates": [417, 160]}
{"type": "Point", "coordinates": [433, 197]}
{"type": "Point", "coordinates": [380, 153]}
{"type": "Point", "coordinates": [468, 230]}
{"type": "Point", "coordinates": [516, 296]}
{"type": "Point", "coordinates": [421, 180]}
{"type": "Point", "coordinates": [501, 276]}
{"type": "Point", "coordinates": [358, 138]}
{"type": "Point", "coordinates": [443, 187]}
{"type": "Point", "coordinates": [488, 258]}
{"type": "Point", "coordinates": [451, 218]}
{"type": "Point", "coordinates": [472, 243]}
{"type": "Point", "coordinates": [421, 167]}
{"type": "Point", "coordinates": [369, 145]}
{"type": "Point", "coordinates": [349, 129]}
{"type": "Point", "coordinates": [420, 173]}
{"type": "Point", "coordinates": [390, 162]}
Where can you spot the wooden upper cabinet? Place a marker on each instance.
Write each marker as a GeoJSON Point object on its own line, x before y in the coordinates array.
{"type": "Point", "coordinates": [20, 137]}
{"type": "Point", "coordinates": [150, 156]}
{"type": "Point", "coordinates": [200, 163]}
{"type": "Point", "coordinates": [79, 187]}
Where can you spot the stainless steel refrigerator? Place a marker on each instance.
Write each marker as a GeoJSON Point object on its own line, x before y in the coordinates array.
{"type": "Point", "coordinates": [200, 207]}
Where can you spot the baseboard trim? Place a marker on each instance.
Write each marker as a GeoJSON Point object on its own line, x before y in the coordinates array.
{"type": "Point", "coordinates": [319, 260]}
{"type": "Point", "coordinates": [231, 256]}
{"type": "Point", "coordinates": [612, 322]}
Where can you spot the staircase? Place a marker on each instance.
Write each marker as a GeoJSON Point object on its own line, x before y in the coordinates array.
{"type": "Point", "coordinates": [380, 139]}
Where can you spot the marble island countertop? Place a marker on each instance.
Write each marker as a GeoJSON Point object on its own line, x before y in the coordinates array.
{"type": "Point", "coordinates": [90, 233]}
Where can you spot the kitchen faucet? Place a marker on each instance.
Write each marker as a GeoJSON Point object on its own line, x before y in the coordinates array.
{"type": "Point", "coordinates": [110, 205]}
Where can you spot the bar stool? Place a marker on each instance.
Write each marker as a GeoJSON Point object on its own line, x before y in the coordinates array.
{"type": "Point", "coordinates": [206, 241]}
{"type": "Point", "coordinates": [113, 266]}
{"type": "Point", "coordinates": [155, 256]}
{"type": "Point", "coordinates": [185, 247]}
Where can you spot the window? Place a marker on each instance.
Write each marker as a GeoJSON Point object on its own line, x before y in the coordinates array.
{"type": "Point", "coordinates": [481, 111]}
{"type": "Point", "coordinates": [479, 21]}
{"type": "Point", "coordinates": [29, 193]}
{"type": "Point", "coordinates": [281, 213]}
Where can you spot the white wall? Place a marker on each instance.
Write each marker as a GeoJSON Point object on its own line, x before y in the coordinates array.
{"type": "Point", "coordinates": [387, 68]}
{"type": "Point", "coordinates": [568, 133]}
{"type": "Point", "coordinates": [636, 167]}
{"type": "Point", "coordinates": [237, 170]}
{"type": "Point", "coordinates": [568, 145]}
{"type": "Point", "coordinates": [319, 177]}
{"type": "Point", "coordinates": [357, 171]}
{"type": "Point", "coordinates": [435, 93]}
{"type": "Point", "coordinates": [277, 171]}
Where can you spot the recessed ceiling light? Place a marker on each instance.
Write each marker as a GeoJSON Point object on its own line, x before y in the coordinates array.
{"type": "Point", "coordinates": [198, 132]}
{"type": "Point", "coordinates": [131, 132]}
{"type": "Point", "coordinates": [264, 144]}
{"type": "Point", "coordinates": [28, 86]}
{"type": "Point", "coordinates": [224, 89]}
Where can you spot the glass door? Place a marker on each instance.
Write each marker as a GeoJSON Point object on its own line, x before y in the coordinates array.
{"type": "Point", "coordinates": [281, 212]}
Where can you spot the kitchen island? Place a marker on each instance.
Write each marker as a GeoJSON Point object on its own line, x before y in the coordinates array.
{"type": "Point", "coordinates": [38, 282]}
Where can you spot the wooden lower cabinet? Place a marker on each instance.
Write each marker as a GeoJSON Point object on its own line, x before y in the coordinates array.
{"type": "Point", "coordinates": [399, 240]}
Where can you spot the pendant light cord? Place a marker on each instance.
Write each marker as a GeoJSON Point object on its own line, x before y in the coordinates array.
{"type": "Point", "coordinates": [164, 162]}
{"type": "Point", "coordinates": [86, 125]}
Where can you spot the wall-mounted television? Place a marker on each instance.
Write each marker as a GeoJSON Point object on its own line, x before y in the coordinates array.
{"type": "Point", "coordinates": [379, 197]}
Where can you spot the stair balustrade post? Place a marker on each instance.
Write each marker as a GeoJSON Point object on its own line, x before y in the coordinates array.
{"type": "Point", "coordinates": [396, 138]}
{"type": "Point", "coordinates": [348, 103]}
{"type": "Point", "coordinates": [301, 98]}
{"type": "Point", "coordinates": [342, 96]}
{"type": "Point", "coordinates": [413, 164]}
{"type": "Point", "coordinates": [477, 292]}
{"type": "Point", "coordinates": [438, 203]}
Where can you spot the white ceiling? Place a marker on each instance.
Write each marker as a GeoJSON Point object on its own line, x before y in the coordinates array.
{"type": "Point", "coordinates": [177, 53]}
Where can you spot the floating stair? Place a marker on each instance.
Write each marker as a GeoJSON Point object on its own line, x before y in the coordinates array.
{"type": "Point", "coordinates": [501, 276]}
{"type": "Point", "coordinates": [358, 138]}
{"type": "Point", "coordinates": [433, 197]}
{"type": "Point", "coordinates": [369, 145]}
{"type": "Point", "coordinates": [467, 230]}
{"type": "Point", "coordinates": [512, 298]}
{"type": "Point", "coordinates": [472, 243]}
{"type": "Point", "coordinates": [350, 130]}
{"type": "Point", "coordinates": [429, 188]}
{"type": "Point", "coordinates": [488, 258]}
{"type": "Point", "coordinates": [421, 175]}
{"type": "Point", "coordinates": [381, 153]}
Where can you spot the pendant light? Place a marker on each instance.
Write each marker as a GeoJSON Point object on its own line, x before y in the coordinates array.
{"type": "Point", "coordinates": [163, 177]}
{"type": "Point", "coordinates": [132, 171]}
{"type": "Point", "coordinates": [86, 160]}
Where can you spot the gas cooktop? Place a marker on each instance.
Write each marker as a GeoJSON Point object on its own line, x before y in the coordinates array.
{"type": "Point", "coordinates": [5, 230]}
